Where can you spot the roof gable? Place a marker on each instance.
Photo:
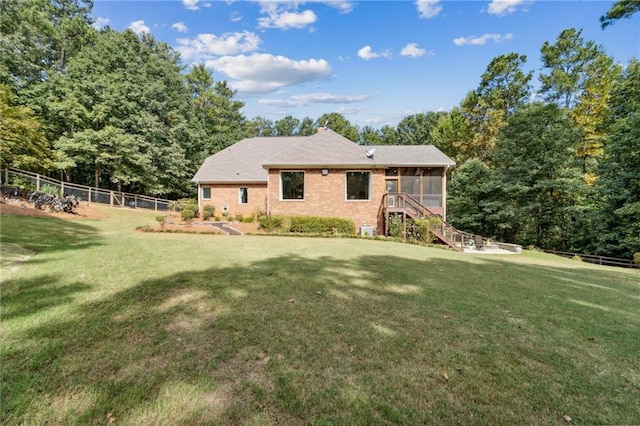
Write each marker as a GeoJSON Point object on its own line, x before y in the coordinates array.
{"type": "Point", "coordinates": [247, 161]}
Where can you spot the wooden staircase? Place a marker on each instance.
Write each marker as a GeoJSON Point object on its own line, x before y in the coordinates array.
{"type": "Point", "coordinates": [404, 204]}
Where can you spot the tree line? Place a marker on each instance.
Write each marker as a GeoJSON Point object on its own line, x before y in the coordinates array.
{"type": "Point", "coordinates": [556, 168]}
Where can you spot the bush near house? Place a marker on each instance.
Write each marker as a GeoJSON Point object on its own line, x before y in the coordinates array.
{"type": "Point", "coordinates": [272, 223]}
{"type": "Point", "coordinates": [307, 224]}
{"type": "Point", "coordinates": [317, 224]}
{"type": "Point", "coordinates": [183, 203]}
{"type": "Point", "coordinates": [208, 212]}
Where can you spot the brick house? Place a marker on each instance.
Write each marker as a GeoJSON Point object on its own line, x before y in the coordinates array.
{"type": "Point", "coordinates": [325, 175]}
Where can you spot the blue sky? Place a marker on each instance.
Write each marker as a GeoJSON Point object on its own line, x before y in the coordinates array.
{"type": "Point", "coordinates": [373, 61]}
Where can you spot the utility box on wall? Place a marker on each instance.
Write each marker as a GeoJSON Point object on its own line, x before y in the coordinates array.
{"type": "Point", "coordinates": [366, 231]}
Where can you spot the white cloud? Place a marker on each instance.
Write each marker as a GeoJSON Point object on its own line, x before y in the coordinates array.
{"type": "Point", "coordinates": [264, 73]}
{"type": "Point", "coordinates": [191, 4]}
{"type": "Point", "coordinates": [100, 23]}
{"type": "Point", "coordinates": [286, 20]}
{"type": "Point", "coordinates": [344, 6]}
{"type": "Point", "coordinates": [482, 40]}
{"type": "Point", "coordinates": [413, 51]}
{"type": "Point", "coordinates": [428, 8]}
{"type": "Point", "coordinates": [180, 27]}
{"type": "Point", "coordinates": [139, 27]}
{"type": "Point", "coordinates": [367, 53]}
{"type": "Point", "coordinates": [314, 98]}
{"type": "Point", "coordinates": [505, 7]}
{"type": "Point", "coordinates": [207, 46]}
{"type": "Point", "coordinates": [236, 17]}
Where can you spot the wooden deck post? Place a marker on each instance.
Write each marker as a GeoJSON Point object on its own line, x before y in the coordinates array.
{"type": "Point", "coordinates": [404, 227]}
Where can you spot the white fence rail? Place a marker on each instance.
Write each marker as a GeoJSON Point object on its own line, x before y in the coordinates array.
{"type": "Point", "coordinates": [85, 193]}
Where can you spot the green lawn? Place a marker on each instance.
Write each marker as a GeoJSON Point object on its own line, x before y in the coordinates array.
{"type": "Point", "coordinates": [104, 323]}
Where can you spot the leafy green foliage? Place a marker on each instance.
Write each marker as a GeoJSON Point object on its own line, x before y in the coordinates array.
{"type": "Point", "coordinates": [537, 172]}
{"type": "Point", "coordinates": [187, 214]}
{"type": "Point", "coordinates": [416, 129]}
{"type": "Point", "coordinates": [339, 124]}
{"type": "Point", "coordinates": [182, 203]}
{"type": "Point", "coordinates": [23, 140]}
{"type": "Point", "coordinates": [272, 223]}
{"type": "Point", "coordinates": [620, 10]}
{"type": "Point", "coordinates": [320, 225]}
{"type": "Point", "coordinates": [568, 63]}
{"type": "Point", "coordinates": [208, 211]}
{"type": "Point", "coordinates": [396, 228]}
{"type": "Point", "coordinates": [472, 198]}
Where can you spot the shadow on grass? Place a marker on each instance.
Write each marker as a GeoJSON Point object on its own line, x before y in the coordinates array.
{"type": "Point", "coordinates": [47, 234]}
{"type": "Point", "coordinates": [297, 340]}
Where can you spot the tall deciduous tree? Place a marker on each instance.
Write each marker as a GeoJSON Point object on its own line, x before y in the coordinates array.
{"type": "Point", "coordinates": [370, 136]}
{"type": "Point", "coordinates": [470, 198]}
{"type": "Point", "coordinates": [23, 143]}
{"type": "Point", "coordinates": [618, 221]}
{"type": "Point", "coordinates": [126, 97]}
{"type": "Point", "coordinates": [287, 126]}
{"type": "Point", "coordinates": [306, 128]}
{"type": "Point", "coordinates": [260, 126]}
{"type": "Point", "coordinates": [339, 124]}
{"type": "Point", "coordinates": [504, 87]}
{"type": "Point", "coordinates": [38, 37]}
{"type": "Point", "coordinates": [537, 170]}
{"type": "Point", "coordinates": [450, 135]}
{"type": "Point", "coordinates": [389, 135]}
{"type": "Point", "coordinates": [592, 110]}
{"type": "Point", "coordinates": [416, 129]}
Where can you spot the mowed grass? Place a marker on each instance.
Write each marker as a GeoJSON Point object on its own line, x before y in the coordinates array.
{"type": "Point", "coordinates": [107, 324]}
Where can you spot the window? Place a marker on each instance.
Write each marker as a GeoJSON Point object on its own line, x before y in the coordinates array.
{"type": "Point", "coordinates": [206, 193]}
{"type": "Point", "coordinates": [292, 185]}
{"type": "Point", "coordinates": [243, 195]}
{"type": "Point", "coordinates": [358, 185]}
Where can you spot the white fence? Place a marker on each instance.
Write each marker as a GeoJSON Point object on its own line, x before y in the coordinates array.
{"type": "Point", "coordinates": [85, 193]}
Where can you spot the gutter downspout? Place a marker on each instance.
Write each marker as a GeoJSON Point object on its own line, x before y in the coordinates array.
{"type": "Point", "coordinates": [199, 203]}
{"type": "Point", "coordinates": [444, 193]}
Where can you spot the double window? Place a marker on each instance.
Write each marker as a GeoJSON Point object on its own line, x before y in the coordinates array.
{"type": "Point", "coordinates": [292, 185]}
{"type": "Point", "coordinates": [358, 185]}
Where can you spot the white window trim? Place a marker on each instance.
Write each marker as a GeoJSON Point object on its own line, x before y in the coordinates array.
{"type": "Point", "coordinates": [346, 194]}
{"type": "Point", "coordinates": [304, 184]}
{"type": "Point", "coordinates": [202, 192]}
{"type": "Point", "coordinates": [246, 188]}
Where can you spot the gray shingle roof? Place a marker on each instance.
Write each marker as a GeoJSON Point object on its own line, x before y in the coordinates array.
{"type": "Point", "coordinates": [247, 160]}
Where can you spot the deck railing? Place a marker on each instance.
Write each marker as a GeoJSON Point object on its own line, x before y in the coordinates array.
{"type": "Point", "coordinates": [401, 202]}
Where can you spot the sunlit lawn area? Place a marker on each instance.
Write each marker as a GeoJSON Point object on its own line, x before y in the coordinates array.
{"type": "Point", "coordinates": [106, 324]}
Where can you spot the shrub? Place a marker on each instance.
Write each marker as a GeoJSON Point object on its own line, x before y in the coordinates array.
{"type": "Point", "coordinates": [239, 217]}
{"type": "Point", "coordinates": [23, 183]}
{"type": "Point", "coordinates": [636, 258]}
{"type": "Point", "coordinates": [209, 208]}
{"type": "Point", "coordinates": [181, 204]}
{"type": "Point", "coordinates": [395, 226]}
{"type": "Point", "coordinates": [271, 223]}
{"type": "Point", "coordinates": [318, 224]}
{"type": "Point", "coordinates": [162, 220]}
{"type": "Point", "coordinates": [50, 189]}
{"type": "Point", "coordinates": [187, 215]}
